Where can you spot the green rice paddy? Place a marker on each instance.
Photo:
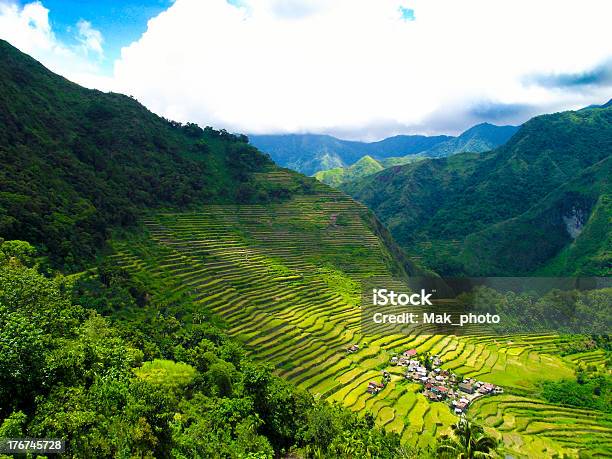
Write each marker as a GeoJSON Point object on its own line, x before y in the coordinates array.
{"type": "Point", "coordinates": [285, 278]}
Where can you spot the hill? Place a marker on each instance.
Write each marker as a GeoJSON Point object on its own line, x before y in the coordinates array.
{"type": "Point", "coordinates": [506, 212]}
{"type": "Point", "coordinates": [118, 358]}
{"type": "Point", "coordinates": [480, 138]}
{"type": "Point", "coordinates": [220, 325]}
{"type": "Point", "coordinates": [334, 177]}
{"type": "Point", "coordinates": [77, 162]}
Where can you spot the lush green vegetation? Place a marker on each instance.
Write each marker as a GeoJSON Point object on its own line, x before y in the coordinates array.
{"type": "Point", "coordinates": [530, 427]}
{"type": "Point", "coordinates": [469, 441]}
{"type": "Point", "coordinates": [590, 389]}
{"type": "Point", "coordinates": [478, 139]}
{"type": "Point", "coordinates": [216, 322]}
{"type": "Point", "coordinates": [540, 203]}
{"type": "Point", "coordinates": [310, 153]}
{"type": "Point", "coordinates": [362, 168]}
{"type": "Point", "coordinates": [285, 280]}
{"type": "Point", "coordinates": [334, 177]}
{"type": "Point", "coordinates": [549, 311]}
{"type": "Point", "coordinates": [77, 162]}
{"type": "Point", "coordinates": [158, 387]}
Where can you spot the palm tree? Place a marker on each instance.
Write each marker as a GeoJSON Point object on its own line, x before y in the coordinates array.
{"type": "Point", "coordinates": [468, 442]}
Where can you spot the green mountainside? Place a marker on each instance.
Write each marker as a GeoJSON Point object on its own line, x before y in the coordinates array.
{"type": "Point", "coordinates": [311, 153]}
{"type": "Point", "coordinates": [76, 162]}
{"type": "Point", "coordinates": [362, 168]}
{"type": "Point", "coordinates": [128, 357]}
{"type": "Point", "coordinates": [480, 138]}
{"type": "Point", "coordinates": [334, 177]}
{"type": "Point", "coordinates": [510, 211]}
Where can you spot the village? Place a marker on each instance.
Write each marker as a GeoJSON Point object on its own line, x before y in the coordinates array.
{"type": "Point", "coordinates": [439, 385]}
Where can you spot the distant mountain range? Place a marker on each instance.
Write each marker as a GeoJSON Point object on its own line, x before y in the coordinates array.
{"type": "Point", "coordinates": [540, 204]}
{"type": "Point", "coordinates": [311, 153]}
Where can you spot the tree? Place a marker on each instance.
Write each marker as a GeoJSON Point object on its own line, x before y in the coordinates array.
{"type": "Point", "coordinates": [21, 251]}
{"type": "Point", "coordinates": [469, 441]}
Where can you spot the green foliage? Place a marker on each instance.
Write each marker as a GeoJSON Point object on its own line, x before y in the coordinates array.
{"type": "Point", "coordinates": [19, 251]}
{"type": "Point", "coordinates": [332, 432]}
{"type": "Point", "coordinates": [66, 372]}
{"type": "Point", "coordinates": [77, 163]}
{"type": "Point", "coordinates": [586, 391]}
{"type": "Point", "coordinates": [510, 211]}
{"type": "Point", "coordinates": [169, 375]}
{"type": "Point", "coordinates": [309, 153]}
{"type": "Point", "coordinates": [334, 177]}
{"type": "Point", "coordinates": [554, 311]}
{"type": "Point", "coordinates": [468, 441]}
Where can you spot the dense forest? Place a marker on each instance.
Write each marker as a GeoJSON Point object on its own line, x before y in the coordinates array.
{"type": "Point", "coordinates": [77, 164]}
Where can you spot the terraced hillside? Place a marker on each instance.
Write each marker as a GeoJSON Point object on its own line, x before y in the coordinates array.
{"type": "Point", "coordinates": [536, 428]}
{"type": "Point", "coordinates": [286, 280]}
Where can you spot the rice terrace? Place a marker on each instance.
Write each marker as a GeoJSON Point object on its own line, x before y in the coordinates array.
{"type": "Point", "coordinates": [285, 279]}
{"type": "Point", "coordinates": [264, 229]}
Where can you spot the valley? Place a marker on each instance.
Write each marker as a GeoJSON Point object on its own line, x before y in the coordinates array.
{"type": "Point", "coordinates": [285, 279]}
{"type": "Point", "coordinates": [169, 291]}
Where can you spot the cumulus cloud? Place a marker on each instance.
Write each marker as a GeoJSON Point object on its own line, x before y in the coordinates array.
{"type": "Point", "coordinates": [90, 38]}
{"type": "Point", "coordinates": [28, 28]}
{"type": "Point", "coordinates": [357, 67]}
{"type": "Point", "coordinates": [364, 68]}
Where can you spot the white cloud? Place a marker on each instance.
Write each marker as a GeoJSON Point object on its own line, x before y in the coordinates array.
{"type": "Point", "coordinates": [357, 67]}
{"type": "Point", "coordinates": [90, 38]}
{"type": "Point", "coordinates": [28, 28]}
{"type": "Point", "coordinates": [348, 65]}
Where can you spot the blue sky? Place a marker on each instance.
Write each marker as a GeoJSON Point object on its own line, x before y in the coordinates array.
{"type": "Point", "coordinates": [357, 69]}
{"type": "Point", "coordinates": [120, 22]}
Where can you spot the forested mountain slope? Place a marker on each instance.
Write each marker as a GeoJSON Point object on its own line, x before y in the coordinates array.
{"type": "Point", "coordinates": [460, 213]}
{"type": "Point", "coordinates": [334, 177]}
{"type": "Point", "coordinates": [480, 138]}
{"type": "Point", "coordinates": [224, 314]}
{"type": "Point", "coordinates": [76, 162]}
{"type": "Point", "coordinates": [122, 358]}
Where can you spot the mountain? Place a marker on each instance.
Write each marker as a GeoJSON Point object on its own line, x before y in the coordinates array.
{"type": "Point", "coordinates": [220, 316]}
{"type": "Point", "coordinates": [77, 162]}
{"type": "Point", "coordinates": [480, 138]}
{"type": "Point", "coordinates": [334, 177]}
{"type": "Point", "coordinates": [168, 242]}
{"type": "Point", "coordinates": [310, 153]}
{"type": "Point", "coordinates": [539, 203]}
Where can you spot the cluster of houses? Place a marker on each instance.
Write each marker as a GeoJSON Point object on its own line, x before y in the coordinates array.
{"type": "Point", "coordinates": [352, 348]}
{"type": "Point", "coordinates": [375, 387]}
{"type": "Point", "coordinates": [438, 384]}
